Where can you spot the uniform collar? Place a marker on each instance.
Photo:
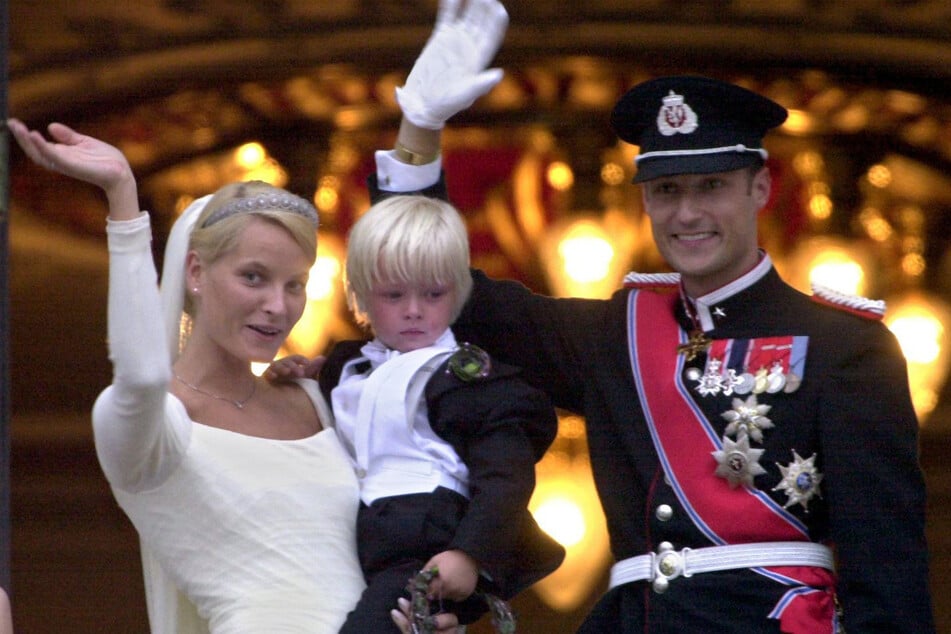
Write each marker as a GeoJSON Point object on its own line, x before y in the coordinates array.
{"type": "Point", "coordinates": [707, 307]}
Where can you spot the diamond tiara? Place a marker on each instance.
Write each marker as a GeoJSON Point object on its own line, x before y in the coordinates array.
{"type": "Point", "coordinates": [280, 202]}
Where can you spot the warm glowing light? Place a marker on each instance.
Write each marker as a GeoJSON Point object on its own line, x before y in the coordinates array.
{"type": "Point", "coordinates": [853, 118]}
{"type": "Point", "coordinates": [612, 174]}
{"type": "Point", "coordinates": [837, 272]}
{"type": "Point", "coordinates": [879, 229]}
{"type": "Point", "coordinates": [350, 118]}
{"type": "Point", "coordinates": [879, 176]}
{"type": "Point", "coordinates": [808, 164]}
{"type": "Point", "coordinates": [798, 122]}
{"type": "Point", "coordinates": [323, 277]}
{"type": "Point", "coordinates": [250, 155]}
{"type": "Point", "coordinates": [565, 504]}
{"type": "Point", "coordinates": [581, 256]}
{"type": "Point", "coordinates": [326, 198]}
{"type": "Point", "coordinates": [875, 225]}
{"type": "Point", "coordinates": [834, 263]}
{"type": "Point", "coordinates": [324, 300]}
{"type": "Point", "coordinates": [919, 334]}
{"type": "Point", "coordinates": [268, 171]}
{"type": "Point", "coordinates": [587, 258]}
{"type": "Point", "coordinates": [820, 207]}
{"type": "Point", "coordinates": [919, 322]}
{"type": "Point", "coordinates": [561, 518]}
{"type": "Point", "coordinates": [560, 176]}
{"type": "Point", "coordinates": [913, 265]}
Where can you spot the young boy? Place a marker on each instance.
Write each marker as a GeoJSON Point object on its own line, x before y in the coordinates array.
{"type": "Point", "coordinates": [443, 439]}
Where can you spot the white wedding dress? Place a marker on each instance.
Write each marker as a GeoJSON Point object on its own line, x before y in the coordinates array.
{"type": "Point", "coordinates": [238, 533]}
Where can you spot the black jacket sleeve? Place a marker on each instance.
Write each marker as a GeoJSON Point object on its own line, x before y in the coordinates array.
{"type": "Point", "coordinates": [500, 427]}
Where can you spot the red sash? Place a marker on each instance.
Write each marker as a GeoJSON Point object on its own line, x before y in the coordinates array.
{"type": "Point", "coordinates": [676, 423]}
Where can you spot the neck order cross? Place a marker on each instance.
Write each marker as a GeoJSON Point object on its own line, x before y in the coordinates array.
{"type": "Point", "coordinates": [699, 342]}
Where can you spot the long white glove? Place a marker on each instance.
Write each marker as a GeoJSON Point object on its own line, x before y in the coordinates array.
{"type": "Point", "coordinates": [450, 73]}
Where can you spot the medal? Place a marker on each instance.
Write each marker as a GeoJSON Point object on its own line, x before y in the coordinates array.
{"type": "Point", "coordinates": [744, 384]}
{"type": "Point", "coordinates": [800, 481]}
{"type": "Point", "coordinates": [714, 379]}
{"type": "Point", "coordinates": [730, 382]}
{"type": "Point", "coordinates": [779, 362]}
{"type": "Point", "coordinates": [775, 380]}
{"type": "Point", "coordinates": [737, 462]}
{"type": "Point", "coordinates": [710, 382]}
{"type": "Point", "coordinates": [792, 383]}
{"type": "Point", "coordinates": [747, 417]}
{"type": "Point", "coordinates": [696, 344]}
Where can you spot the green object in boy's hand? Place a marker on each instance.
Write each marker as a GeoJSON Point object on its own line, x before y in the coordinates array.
{"type": "Point", "coordinates": [423, 621]}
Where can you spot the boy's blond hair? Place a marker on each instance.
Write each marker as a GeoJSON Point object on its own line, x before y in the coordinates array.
{"type": "Point", "coordinates": [407, 239]}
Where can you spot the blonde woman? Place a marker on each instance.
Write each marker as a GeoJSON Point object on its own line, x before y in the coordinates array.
{"type": "Point", "coordinates": [244, 501]}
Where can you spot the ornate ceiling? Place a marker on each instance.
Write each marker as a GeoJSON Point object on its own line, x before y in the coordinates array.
{"type": "Point", "coordinates": [80, 60]}
{"type": "Point", "coordinates": [169, 81]}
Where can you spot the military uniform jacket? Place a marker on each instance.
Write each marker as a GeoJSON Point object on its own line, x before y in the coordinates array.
{"type": "Point", "coordinates": [500, 426]}
{"type": "Point", "coordinates": [852, 412]}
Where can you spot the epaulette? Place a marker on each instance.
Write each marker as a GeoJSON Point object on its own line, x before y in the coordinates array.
{"type": "Point", "coordinates": [659, 281]}
{"type": "Point", "coordinates": [861, 306]}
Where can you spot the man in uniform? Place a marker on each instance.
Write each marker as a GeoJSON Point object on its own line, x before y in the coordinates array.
{"type": "Point", "coordinates": [754, 448]}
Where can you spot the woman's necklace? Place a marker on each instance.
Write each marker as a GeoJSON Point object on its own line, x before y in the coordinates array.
{"type": "Point", "coordinates": [239, 404]}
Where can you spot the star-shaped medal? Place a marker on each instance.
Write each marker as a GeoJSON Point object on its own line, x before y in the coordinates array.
{"type": "Point", "coordinates": [711, 382]}
{"type": "Point", "coordinates": [747, 416]}
{"type": "Point", "coordinates": [737, 462]}
{"type": "Point", "coordinates": [800, 480]}
{"type": "Point", "coordinates": [697, 343]}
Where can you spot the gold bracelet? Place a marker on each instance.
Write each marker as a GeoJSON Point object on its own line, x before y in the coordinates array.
{"type": "Point", "coordinates": [406, 155]}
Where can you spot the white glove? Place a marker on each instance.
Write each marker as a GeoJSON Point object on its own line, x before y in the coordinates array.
{"type": "Point", "coordinates": [450, 73]}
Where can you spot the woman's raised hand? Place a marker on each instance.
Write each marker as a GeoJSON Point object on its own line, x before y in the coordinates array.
{"type": "Point", "coordinates": [84, 158]}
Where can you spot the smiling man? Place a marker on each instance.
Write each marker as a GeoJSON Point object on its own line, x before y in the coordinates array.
{"type": "Point", "coordinates": [754, 448]}
{"type": "Point", "coordinates": [703, 184]}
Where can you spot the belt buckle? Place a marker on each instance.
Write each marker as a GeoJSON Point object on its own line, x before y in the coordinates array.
{"type": "Point", "coordinates": [667, 564]}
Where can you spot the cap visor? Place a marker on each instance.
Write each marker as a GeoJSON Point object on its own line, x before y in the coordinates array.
{"type": "Point", "coordinates": [660, 166]}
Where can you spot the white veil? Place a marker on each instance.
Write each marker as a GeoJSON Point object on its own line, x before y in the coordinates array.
{"type": "Point", "coordinates": [172, 287]}
{"type": "Point", "coordinates": [170, 611]}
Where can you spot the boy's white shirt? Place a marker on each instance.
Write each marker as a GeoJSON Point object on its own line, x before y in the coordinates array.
{"type": "Point", "coordinates": [382, 422]}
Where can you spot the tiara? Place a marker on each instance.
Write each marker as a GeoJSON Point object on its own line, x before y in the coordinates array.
{"type": "Point", "coordinates": [283, 201]}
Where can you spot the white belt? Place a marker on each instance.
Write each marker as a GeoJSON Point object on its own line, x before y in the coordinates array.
{"type": "Point", "coordinates": [666, 564]}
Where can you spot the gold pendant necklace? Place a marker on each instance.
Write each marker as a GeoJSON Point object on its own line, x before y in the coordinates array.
{"type": "Point", "coordinates": [239, 404]}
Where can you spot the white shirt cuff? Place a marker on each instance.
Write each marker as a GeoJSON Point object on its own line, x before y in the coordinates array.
{"type": "Point", "coordinates": [394, 175]}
